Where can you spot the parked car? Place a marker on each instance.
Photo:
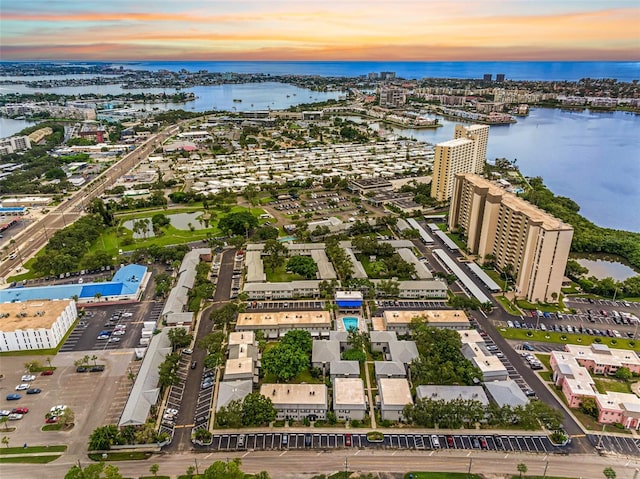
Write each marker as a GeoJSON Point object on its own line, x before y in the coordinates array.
{"type": "Point", "coordinates": [13, 397]}
{"type": "Point", "coordinates": [450, 441]}
{"type": "Point", "coordinates": [307, 436]}
{"type": "Point", "coordinates": [483, 443]}
{"type": "Point", "coordinates": [48, 372]}
{"type": "Point", "coordinates": [14, 417]}
{"type": "Point", "coordinates": [435, 441]}
{"type": "Point", "coordinates": [27, 378]}
{"type": "Point", "coordinates": [4, 412]}
{"type": "Point", "coordinates": [98, 368]}
{"type": "Point", "coordinates": [51, 420]}
{"type": "Point", "coordinates": [20, 410]}
{"type": "Point", "coordinates": [187, 351]}
{"type": "Point", "coordinates": [194, 364]}
{"type": "Point", "coordinates": [347, 440]}
{"type": "Point", "coordinates": [34, 391]}
{"type": "Point", "coordinates": [22, 387]}
{"type": "Point", "coordinates": [81, 369]}
{"type": "Point", "coordinates": [476, 443]}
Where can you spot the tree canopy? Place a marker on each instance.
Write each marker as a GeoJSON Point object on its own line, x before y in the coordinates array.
{"type": "Point", "coordinates": [289, 357]}
{"type": "Point", "coordinates": [239, 223]}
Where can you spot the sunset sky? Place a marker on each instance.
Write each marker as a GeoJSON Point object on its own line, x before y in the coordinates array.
{"type": "Point", "coordinates": [320, 30]}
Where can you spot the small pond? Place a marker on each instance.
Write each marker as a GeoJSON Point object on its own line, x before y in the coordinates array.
{"type": "Point", "coordinates": [603, 268]}
{"type": "Point", "coordinates": [181, 221]}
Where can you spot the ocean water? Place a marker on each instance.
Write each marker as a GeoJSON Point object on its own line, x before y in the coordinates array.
{"type": "Point", "coordinates": [572, 71]}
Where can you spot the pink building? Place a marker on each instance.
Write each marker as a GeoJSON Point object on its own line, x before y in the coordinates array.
{"type": "Point", "coordinates": [600, 359]}
{"type": "Point", "coordinates": [570, 374]}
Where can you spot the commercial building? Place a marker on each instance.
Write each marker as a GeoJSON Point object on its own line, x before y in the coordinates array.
{"type": "Point", "coordinates": [35, 324]}
{"type": "Point", "coordinates": [395, 394]}
{"type": "Point", "coordinates": [127, 284]}
{"type": "Point", "coordinates": [349, 400]}
{"type": "Point", "coordinates": [516, 233]}
{"type": "Point", "coordinates": [297, 401]}
{"type": "Point", "coordinates": [276, 324]}
{"type": "Point", "coordinates": [464, 154]}
{"type": "Point", "coordinates": [506, 393]}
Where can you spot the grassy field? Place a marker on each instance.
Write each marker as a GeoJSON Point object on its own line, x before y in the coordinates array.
{"type": "Point", "coordinates": [28, 459]}
{"type": "Point", "coordinates": [613, 385]}
{"type": "Point", "coordinates": [33, 449]}
{"type": "Point", "coordinates": [553, 337]}
{"type": "Point", "coordinates": [508, 306]}
{"type": "Point", "coordinates": [280, 275]}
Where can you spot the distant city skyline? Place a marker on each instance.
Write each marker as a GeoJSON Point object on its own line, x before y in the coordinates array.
{"type": "Point", "coordinates": [350, 30]}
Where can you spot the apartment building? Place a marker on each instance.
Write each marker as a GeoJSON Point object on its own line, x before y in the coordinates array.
{"type": "Point", "coordinates": [394, 394]}
{"type": "Point", "coordinates": [392, 97]}
{"type": "Point", "coordinates": [399, 321]}
{"type": "Point", "coordinates": [474, 349]}
{"type": "Point", "coordinates": [349, 400]}
{"type": "Point", "coordinates": [466, 153]}
{"type": "Point", "coordinates": [13, 144]}
{"type": "Point", "coordinates": [297, 401]}
{"type": "Point", "coordinates": [479, 134]}
{"type": "Point", "coordinates": [513, 231]}
{"type": "Point", "coordinates": [276, 324]}
{"type": "Point", "coordinates": [35, 324]}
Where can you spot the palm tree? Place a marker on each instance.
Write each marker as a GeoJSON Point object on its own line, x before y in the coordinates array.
{"type": "Point", "coordinates": [93, 358]}
{"type": "Point", "coordinates": [5, 419]}
{"type": "Point", "coordinates": [97, 296]}
{"type": "Point", "coordinates": [48, 360]}
{"type": "Point", "coordinates": [154, 469]}
{"type": "Point", "coordinates": [609, 473]}
{"type": "Point", "coordinates": [5, 440]}
{"type": "Point", "coordinates": [522, 468]}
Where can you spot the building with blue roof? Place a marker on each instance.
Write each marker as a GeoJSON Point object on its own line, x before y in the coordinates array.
{"type": "Point", "coordinates": [127, 284]}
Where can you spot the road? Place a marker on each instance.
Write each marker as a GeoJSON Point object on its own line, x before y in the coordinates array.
{"type": "Point", "coordinates": [182, 434]}
{"type": "Point", "coordinates": [31, 240]}
{"type": "Point", "coordinates": [303, 464]}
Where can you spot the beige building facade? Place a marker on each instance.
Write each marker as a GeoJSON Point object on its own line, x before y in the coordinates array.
{"type": "Point", "coordinates": [515, 233]}
{"type": "Point", "coordinates": [466, 153]}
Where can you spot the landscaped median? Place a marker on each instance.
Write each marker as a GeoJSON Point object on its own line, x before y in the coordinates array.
{"type": "Point", "coordinates": [31, 455]}
{"type": "Point", "coordinates": [566, 338]}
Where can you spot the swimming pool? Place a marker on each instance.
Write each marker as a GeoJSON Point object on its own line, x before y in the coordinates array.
{"type": "Point", "coordinates": [350, 322]}
{"type": "Point", "coordinates": [284, 239]}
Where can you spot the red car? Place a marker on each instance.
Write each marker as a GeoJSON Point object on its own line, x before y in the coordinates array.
{"type": "Point", "coordinates": [51, 420]}
{"type": "Point", "coordinates": [20, 410]}
{"type": "Point", "coordinates": [48, 372]}
{"type": "Point", "coordinates": [347, 440]}
{"type": "Point", "coordinates": [450, 442]}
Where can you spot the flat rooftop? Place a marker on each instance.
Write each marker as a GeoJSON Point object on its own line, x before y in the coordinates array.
{"type": "Point", "coordinates": [348, 391]}
{"type": "Point", "coordinates": [602, 354]}
{"type": "Point", "coordinates": [37, 314]}
{"type": "Point", "coordinates": [394, 391]}
{"type": "Point", "coordinates": [439, 316]}
{"type": "Point", "coordinates": [283, 318]}
{"type": "Point", "coordinates": [239, 366]}
{"type": "Point", "coordinates": [470, 336]}
{"type": "Point", "coordinates": [241, 337]}
{"type": "Point", "coordinates": [312, 394]}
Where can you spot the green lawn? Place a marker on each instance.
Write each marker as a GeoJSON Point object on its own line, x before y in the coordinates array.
{"type": "Point", "coordinates": [31, 449]}
{"type": "Point", "coordinates": [51, 427]}
{"type": "Point", "coordinates": [553, 337]}
{"type": "Point", "coordinates": [280, 275]}
{"type": "Point", "coordinates": [28, 459]}
{"type": "Point", "coordinates": [508, 306]}
{"type": "Point", "coordinates": [303, 377]}
{"type": "Point", "coordinates": [544, 307]}
{"type": "Point", "coordinates": [613, 385]}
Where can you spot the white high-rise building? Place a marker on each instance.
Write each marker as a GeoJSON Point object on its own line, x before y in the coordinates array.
{"type": "Point", "coordinates": [466, 153]}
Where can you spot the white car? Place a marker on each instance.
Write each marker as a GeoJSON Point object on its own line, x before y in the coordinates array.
{"type": "Point", "coordinates": [15, 417]}
{"type": "Point", "coordinates": [4, 412]}
{"type": "Point", "coordinates": [22, 387]}
{"type": "Point", "coordinates": [114, 340]}
{"type": "Point", "coordinates": [171, 411]}
{"type": "Point", "coordinates": [28, 377]}
{"type": "Point", "coordinates": [119, 332]}
{"type": "Point", "coordinates": [58, 409]}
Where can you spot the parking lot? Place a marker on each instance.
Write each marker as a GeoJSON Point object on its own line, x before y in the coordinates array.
{"type": "Point", "coordinates": [616, 444]}
{"type": "Point", "coordinates": [124, 317]}
{"type": "Point", "coordinates": [88, 395]}
{"type": "Point", "coordinates": [532, 443]}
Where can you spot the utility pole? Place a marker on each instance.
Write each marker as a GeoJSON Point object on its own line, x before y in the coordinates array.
{"type": "Point", "coordinates": [346, 467]}
{"type": "Point", "coordinates": [470, 462]}
{"type": "Point", "coordinates": [544, 474]}
{"type": "Point", "coordinates": [196, 461]}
